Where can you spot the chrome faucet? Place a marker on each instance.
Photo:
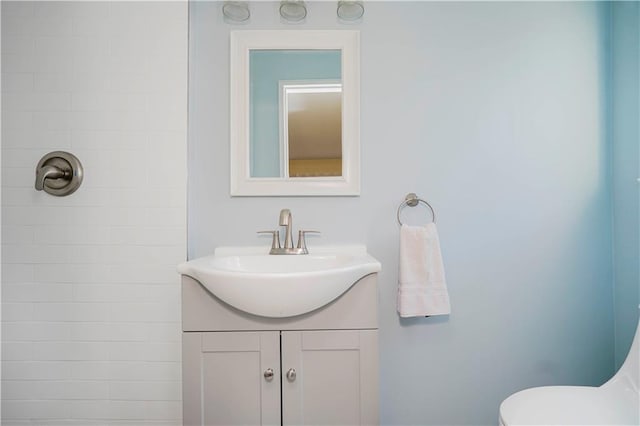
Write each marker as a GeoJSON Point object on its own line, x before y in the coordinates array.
{"type": "Point", "coordinates": [286, 221]}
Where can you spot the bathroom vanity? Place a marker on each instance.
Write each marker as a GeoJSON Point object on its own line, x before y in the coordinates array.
{"type": "Point", "coordinates": [318, 367]}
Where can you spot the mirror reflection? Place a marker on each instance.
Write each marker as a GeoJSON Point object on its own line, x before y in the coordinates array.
{"type": "Point", "coordinates": [295, 113]}
{"type": "Point", "coordinates": [311, 128]}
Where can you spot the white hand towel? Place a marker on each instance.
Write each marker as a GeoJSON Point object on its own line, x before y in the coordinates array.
{"type": "Point", "coordinates": [422, 289]}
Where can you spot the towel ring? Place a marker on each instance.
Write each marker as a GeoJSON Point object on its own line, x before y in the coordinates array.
{"type": "Point", "coordinates": [412, 200]}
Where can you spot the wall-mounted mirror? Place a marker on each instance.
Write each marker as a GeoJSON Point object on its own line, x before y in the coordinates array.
{"type": "Point", "coordinates": [295, 119]}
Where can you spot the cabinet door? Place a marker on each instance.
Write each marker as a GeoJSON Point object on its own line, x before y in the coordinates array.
{"type": "Point", "coordinates": [224, 380]}
{"type": "Point", "coordinates": [336, 377]}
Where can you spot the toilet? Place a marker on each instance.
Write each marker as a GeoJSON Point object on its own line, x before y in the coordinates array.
{"type": "Point", "coordinates": [617, 402]}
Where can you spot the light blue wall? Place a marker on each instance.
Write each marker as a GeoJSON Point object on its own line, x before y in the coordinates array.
{"type": "Point", "coordinates": [626, 170]}
{"type": "Point", "coordinates": [493, 112]}
{"type": "Point", "coordinates": [267, 68]}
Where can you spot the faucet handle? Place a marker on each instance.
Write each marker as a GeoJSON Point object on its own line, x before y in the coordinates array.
{"type": "Point", "coordinates": [302, 243]}
{"type": "Point", "coordinates": [275, 241]}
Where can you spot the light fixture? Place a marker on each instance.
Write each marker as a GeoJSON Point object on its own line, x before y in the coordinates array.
{"type": "Point", "coordinates": [293, 10]}
{"type": "Point", "coordinates": [236, 11]}
{"type": "Point", "coordinates": [350, 10]}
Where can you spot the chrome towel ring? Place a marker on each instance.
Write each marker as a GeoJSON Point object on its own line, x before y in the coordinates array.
{"type": "Point", "coordinates": [412, 200]}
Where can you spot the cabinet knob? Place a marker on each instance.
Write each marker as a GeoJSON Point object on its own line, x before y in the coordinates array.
{"type": "Point", "coordinates": [291, 375]}
{"type": "Point", "coordinates": [268, 374]}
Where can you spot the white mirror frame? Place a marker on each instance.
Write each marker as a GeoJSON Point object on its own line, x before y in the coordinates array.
{"type": "Point", "coordinates": [242, 42]}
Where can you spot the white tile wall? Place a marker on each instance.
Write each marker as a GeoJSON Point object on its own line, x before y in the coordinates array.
{"type": "Point", "coordinates": [90, 296]}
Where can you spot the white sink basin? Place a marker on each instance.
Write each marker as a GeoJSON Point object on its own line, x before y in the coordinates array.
{"type": "Point", "coordinates": [250, 279]}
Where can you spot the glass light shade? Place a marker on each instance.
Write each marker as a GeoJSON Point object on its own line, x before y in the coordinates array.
{"type": "Point", "coordinates": [236, 11]}
{"type": "Point", "coordinates": [293, 10]}
{"type": "Point", "coordinates": [350, 10]}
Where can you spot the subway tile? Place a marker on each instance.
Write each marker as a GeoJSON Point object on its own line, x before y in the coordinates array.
{"type": "Point", "coordinates": [17, 176]}
{"type": "Point", "coordinates": [155, 236]}
{"type": "Point", "coordinates": [37, 292]}
{"type": "Point", "coordinates": [20, 196]}
{"type": "Point", "coordinates": [56, 253]}
{"type": "Point", "coordinates": [102, 101]}
{"type": "Point", "coordinates": [87, 80]}
{"type": "Point", "coordinates": [49, 63]}
{"type": "Point", "coordinates": [126, 410]}
{"type": "Point", "coordinates": [71, 389]}
{"type": "Point", "coordinates": [16, 120]}
{"type": "Point", "coordinates": [174, 422]}
{"type": "Point", "coordinates": [21, 82]}
{"type": "Point", "coordinates": [71, 235]}
{"type": "Point", "coordinates": [52, 120]}
{"type": "Point", "coordinates": [35, 370]}
{"type": "Point", "coordinates": [60, 47]}
{"type": "Point", "coordinates": [86, 10]}
{"type": "Point", "coordinates": [94, 66]}
{"type": "Point", "coordinates": [17, 138]}
{"type": "Point", "coordinates": [18, 389]}
{"type": "Point", "coordinates": [21, 157]}
{"type": "Point", "coordinates": [70, 351]}
{"type": "Point", "coordinates": [145, 371]}
{"type": "Point", "coordinates": [71, 422]}
{"type": "Point", "coordinates": [18, 45]}
{"type": "Point", "coordinates": [52, 10]}
{"type": "Point", "coordinates": [126, 63]}
{"type": "Point", "coordinates": [150, 254]}
{"type": "Point", "coordinates": [18, 62]}
{"type": "Point", "coordinates": [95, 23]}
{"type": "Point", "coordinates": [17, 9]}
{"type": "Point", "coordinates": [90, 410]}
{"type": "Point", "coordinates": [37, 101]}
{"type": "Point", "coordinates": [17, 351]}
{"type": "Point", "coordinates": [146, 391]}
{"type": "Point", "coordinates": [17, 272]}
{"type": "Point", "coordinates": [170, 196]}
{"type": "Point", "coordinates": [159, 217]}
{"type": "Point", "coordinates": [45, 82]}
{"type": "Point", "coordinates": [125, 293]}
{"type": "Point", "coordinates": [35, 409]}
{"type": "Point", "coordinates": [16, 25]}
{"type": "Point", "coordinates": [126, 46]}
{"type": "Point", "coordinates": [106, 140]}
{"type": "Point", "coordinates": [52, 25]}
{"type": "Point", "coordinates": [149, 352]}
{"type": "Point", "coordinates": [17, 311]}
{"type": "Point", "coordinates": [130, 81]}
{"type": "Point", "coordinates": [72, 273]}
{"type": "Point", "coordinates": [164, 410]}
{"type": "Point", "coordinates": [90, 370]}
{"type": "Point", "coordinates": [16, 234]}
{"type": "Point", "coordinates": [166, 41]}
{"type": "Point", "coordinates": [164, 332]}
{"type": "Point", "coordinates": [145, 312]}
{"type": "Point", "coordinates": [95, 120]}
{"type": "Point", "coordinates": [36, 331]}
{"type": "Point", "coordinates": [71, 312]}
{"type": "Point", "coordinates": [144, 273]}
{"type": "Point", "coordinates": [109, 332]}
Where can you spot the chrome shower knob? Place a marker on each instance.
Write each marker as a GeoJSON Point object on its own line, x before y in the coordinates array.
{"type": "Point", "coordinates": [59, 173]}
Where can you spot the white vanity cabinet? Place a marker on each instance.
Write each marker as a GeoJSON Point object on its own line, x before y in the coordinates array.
{"type": "Point", "coordinates": [316, 368]}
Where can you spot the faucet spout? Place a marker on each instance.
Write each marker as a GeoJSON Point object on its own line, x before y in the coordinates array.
{"type": "Point", "coordinates": [286, 221]}
{"type": "Point", "coordinates": [285, 217]}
